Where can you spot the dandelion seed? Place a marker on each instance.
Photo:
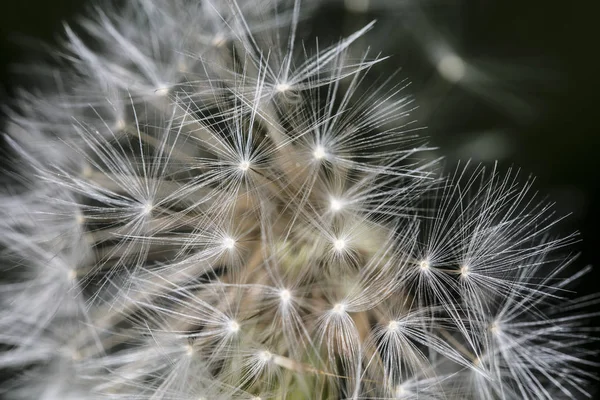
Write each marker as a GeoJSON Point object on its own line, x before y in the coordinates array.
{"type": "Point", "coordinates": [87, 171]}
{"type": "Point", "coordinates": [244, 166]}
{"type": "Point", "coordinates": [339, 308]}
{"type": "Point", "coordinates": [285, 296]}
{"type": "Point", "coordinates": [162, 91]}
{"type": "Point", "coordinates": [400, 392]}
{"type": "Point", "coordinates": [282, 87]}
{"type": "Point", "coordinates": [233, 327]}
{"type": "Point", "coordinates": [219, 40]}
{"type": "Point", "coordinates": [71, 275]}
{"type": "Point", "coordinates": [189, 350]}
{"type": "Point", "coordinates": [452, 68]}
{"type": "Point", "coordinates": [229, 243]}
{"type": "Point", "coordinates": [265, 356]}
{"type": "Point", "coordinates": [183, 67]}
{"type": "Point", "coordinates": [339, 244]}
{"type": "Point", "coordinates": [319, 153]}
{"type": "Point", "coordinates": [494, 327]}
{"type": "Point", "coordinates": [120, 125]}
{"type": "Point", "coordinates": [147, 208]}
{"type": "Point", "coordinates": [79, 218]}
{"type": "Point", "coordinates": [335, 205]}
{"type": "Point", "coordinates": [76, 356]}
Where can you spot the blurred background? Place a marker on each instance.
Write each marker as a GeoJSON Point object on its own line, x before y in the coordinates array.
{"type": "Point", "coordinates": [507, 80]}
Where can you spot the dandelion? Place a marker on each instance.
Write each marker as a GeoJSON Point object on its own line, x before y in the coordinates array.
{"type": "Point", "coordinates": [213, 206]}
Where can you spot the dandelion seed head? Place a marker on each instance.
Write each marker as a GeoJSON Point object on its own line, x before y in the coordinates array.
{"type": "Point", "coordinates": [142, 222]}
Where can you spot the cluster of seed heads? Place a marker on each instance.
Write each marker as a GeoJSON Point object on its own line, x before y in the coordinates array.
{"type": "Point", "coordinates": [209, 207]}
